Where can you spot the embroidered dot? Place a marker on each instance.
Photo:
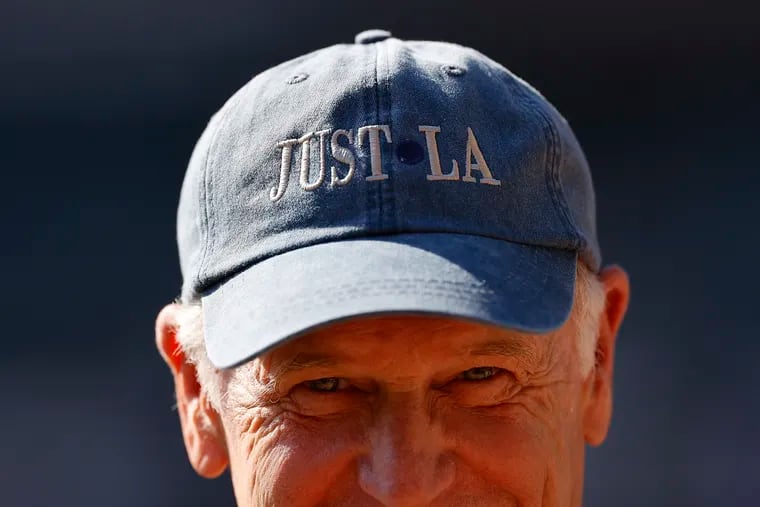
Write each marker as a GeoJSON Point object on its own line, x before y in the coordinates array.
{"type": "Point", "coordinates": [453, 70]}
{"type": "Point", "coordinates": [298, 78]}
{"type": "Point", "coordinates": [410, 152]}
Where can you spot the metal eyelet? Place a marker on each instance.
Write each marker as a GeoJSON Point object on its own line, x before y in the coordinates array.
{"type": "Point", "coordinates": [298, 78]}
{"type": "Point", "coordinates": [453, 70]}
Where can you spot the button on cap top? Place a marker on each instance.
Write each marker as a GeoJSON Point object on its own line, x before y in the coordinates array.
{"type": "Point", "coordinates": [370, 36]}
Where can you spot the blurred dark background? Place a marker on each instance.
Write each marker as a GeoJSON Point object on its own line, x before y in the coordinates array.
{"type": "Point", "coordinates": [101, 103]}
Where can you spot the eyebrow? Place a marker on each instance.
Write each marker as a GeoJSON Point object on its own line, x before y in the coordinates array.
{"type": "Point", "coordinates": [505, 347]}
{"type": "Point", "coordinates": [305, 361]}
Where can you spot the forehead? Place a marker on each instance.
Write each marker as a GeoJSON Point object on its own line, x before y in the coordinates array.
{"type": "Point", "coordinates": [425, 339]}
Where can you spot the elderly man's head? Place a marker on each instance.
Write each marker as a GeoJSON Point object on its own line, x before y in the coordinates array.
{"type": "Point", "coordinates": [404, 410]}
{"type": "Point", "coordinates": [392, 287]}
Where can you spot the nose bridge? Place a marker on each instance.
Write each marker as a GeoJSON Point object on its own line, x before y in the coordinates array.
{"type": "Point", "coordinates": [407, 462]}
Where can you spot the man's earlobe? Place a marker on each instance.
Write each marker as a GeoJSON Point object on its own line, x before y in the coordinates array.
{"type": "Point", "coordinates": [598, 411]}
{"type": "Point", "coordinates": [202, 429]}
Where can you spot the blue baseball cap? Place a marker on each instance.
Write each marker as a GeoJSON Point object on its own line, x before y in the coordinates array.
{"type": "Point", "coordinates": [384, 176]}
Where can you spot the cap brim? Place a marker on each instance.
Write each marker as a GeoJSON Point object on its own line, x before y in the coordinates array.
{"type": "Point", "coordinates": [517, 286]}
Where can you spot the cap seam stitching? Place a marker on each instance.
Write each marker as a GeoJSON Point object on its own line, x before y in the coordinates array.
{"type": "Point", "coordinates": [379, 192]}
{"type": "Point", "coordinates": [557, 187]}
{"type": "Point", "coordinates": [207, 188]}
{"type": "Point", "coordinates": [552, 174]}
{"type": "Point", "coordinates": [390, 195]}
{"type": "Point", "coordinates": [203, 217]}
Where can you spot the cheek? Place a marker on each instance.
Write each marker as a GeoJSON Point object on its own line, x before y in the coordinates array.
{"type": "Point", "coordinates": [525, 447]}
{"type": "Point", "coordinates": [508, 453]}
{"type": "Point", "coordinates": [292, 460]}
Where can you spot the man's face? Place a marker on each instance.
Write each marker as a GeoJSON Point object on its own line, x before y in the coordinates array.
{"type": "Point", "coordinates": [410, 411]}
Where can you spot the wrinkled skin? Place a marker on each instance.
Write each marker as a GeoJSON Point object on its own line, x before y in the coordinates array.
{"type": "Point", "coordinates": [405, 411]}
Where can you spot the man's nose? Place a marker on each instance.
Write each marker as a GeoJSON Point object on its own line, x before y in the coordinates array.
{"type": "Point", "coordinates": [407, 463]}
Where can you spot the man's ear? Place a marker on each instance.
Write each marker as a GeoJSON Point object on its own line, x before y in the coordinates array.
{"type": "Point", "coordinates": [598, 411]}
{"type": "Point", "coordinates": [202, 428]}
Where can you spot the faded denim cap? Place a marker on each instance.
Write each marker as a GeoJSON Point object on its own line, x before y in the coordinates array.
{"type": "Point", "coordinates": [384, 176]}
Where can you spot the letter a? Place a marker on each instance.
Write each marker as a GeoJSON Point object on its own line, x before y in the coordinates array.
{"type": "Point", "coordinates": [480, 164]}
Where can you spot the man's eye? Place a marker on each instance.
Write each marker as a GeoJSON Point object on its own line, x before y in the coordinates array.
{"type": "Point", "coordinates": [479, 373]}
{"type": "Point", "coordinates": [326, 385]}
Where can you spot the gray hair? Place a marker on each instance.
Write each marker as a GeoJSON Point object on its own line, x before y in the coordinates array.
{"type": "Point", "coordinates": [587, 311]}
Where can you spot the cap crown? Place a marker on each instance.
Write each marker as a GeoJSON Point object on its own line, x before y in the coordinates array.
{"type": "Point", "coordinates": [380, 138]}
